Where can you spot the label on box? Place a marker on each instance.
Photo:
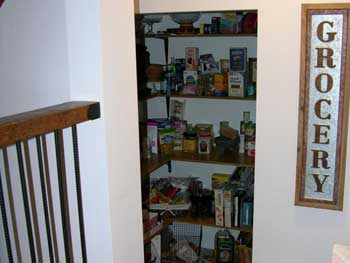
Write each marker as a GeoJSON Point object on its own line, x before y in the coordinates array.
{"type": "Point", "coordinates": [190, 77]}
{"type": "Point", "coordinates": [236, 83]}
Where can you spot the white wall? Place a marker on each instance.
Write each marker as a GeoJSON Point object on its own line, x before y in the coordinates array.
{"type": "Point", "coordinates": [50, 53]}
{"type": "Point", "coordinates": [282, 231]}
{"type": "Point", "coordinates": [85, 77]}
{"type": "Point", "coordinates": [121, 115]}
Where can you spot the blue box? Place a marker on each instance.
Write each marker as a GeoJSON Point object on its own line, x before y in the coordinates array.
{"type": "Point", "coordinates": [247, 214]}
{"type": "Point", "coordinates": [238, 59]}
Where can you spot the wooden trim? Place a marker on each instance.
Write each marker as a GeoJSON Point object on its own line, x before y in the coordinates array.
{"type": "Point", "coordinates": [326, 6]}
{"type": "Point", "coordinates": [29, 124]}
{"type": "Point", "coordinates": [301, 105]}
{"type": "Point", "coordinates": [344, 140]}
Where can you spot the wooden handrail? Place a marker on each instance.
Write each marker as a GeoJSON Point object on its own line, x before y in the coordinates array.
{"type": "Point", "coordinates": [32, 123]}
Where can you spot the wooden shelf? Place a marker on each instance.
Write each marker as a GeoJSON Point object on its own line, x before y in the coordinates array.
{"type": "Point", "coordinates": [178, 95]}
{"type": "Point", "coordinates": [234, 159]}
{"type": "Point", "coordinates": [165, 36]}
{"type": "Point", "coordinates": [153, 163]}
{"type": "Point", "coordinates": [206, 221]}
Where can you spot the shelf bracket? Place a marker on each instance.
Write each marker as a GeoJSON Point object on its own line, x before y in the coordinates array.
{"type": "Point", "coordinates": [169, 167]}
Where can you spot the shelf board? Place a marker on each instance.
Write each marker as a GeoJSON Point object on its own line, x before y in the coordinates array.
{"type": "Point", "coordinates": [165, 36]}
{"type": "Point", "coordinates": [207, 221]}
{"type": "Point", "coordinates": [234, 159]}
{"type": "Point", "coordinates": [153, 163]}
{"type": "Point", "coordinates": [178, 95]}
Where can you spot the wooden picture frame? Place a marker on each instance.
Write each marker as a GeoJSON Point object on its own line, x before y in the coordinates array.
{"type": "Point", "coordinates": [323, 105]}
{"type": "Point", "coordinates": [252, 69]}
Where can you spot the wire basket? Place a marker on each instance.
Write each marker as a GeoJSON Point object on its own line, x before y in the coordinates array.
{"type": "Point", "coordinates": [181, 242]}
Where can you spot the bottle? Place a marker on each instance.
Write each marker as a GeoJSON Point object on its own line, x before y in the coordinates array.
{"type": "Point", "coordinates": [224, 247]}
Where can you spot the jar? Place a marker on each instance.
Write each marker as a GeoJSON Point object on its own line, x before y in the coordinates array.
{"type": "Point", "coordinates": [190, 142]}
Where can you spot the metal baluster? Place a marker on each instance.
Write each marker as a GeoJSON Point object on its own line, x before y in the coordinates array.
{"type": "Point", "coordinates": [25, 201]}
{"type": "Point", "coordinates": [79, 195]}
{"type": "Point", "coordinates": [12, 206]}
{"type": "Point", "coordinates": [28, 165]}
{"type": "Point", "coordinates": [50, 199]}
{"type": "Point", "coordinates": [43, 193]}
{"type": "Point", "coordinates": [5, 222]}
{"type": "Point", "coordinates": [63, 195]}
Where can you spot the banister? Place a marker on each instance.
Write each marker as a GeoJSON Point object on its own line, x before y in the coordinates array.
{"type": "Point", "coordinates": [45, 120]}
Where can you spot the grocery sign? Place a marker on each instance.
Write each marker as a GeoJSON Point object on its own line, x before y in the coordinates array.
{"type": "Point", "coordinates": [323, 106]}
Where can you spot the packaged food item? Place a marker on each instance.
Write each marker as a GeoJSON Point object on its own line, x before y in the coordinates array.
{"type": "Point", "coordinates": [152, 136]}
{"type": "Point", "coordinates": [166, 140]}
{"type": "Point", "coordinates": [191, 56]}
{"type": "Point", "coordinates": [177, 109]}
{"type": "Point", "coordinates": [204, 144]}
{"type": "Point", "coordinates": [205, 138]}
{"type": "Point", "coordinates": [238, 59]}
{"type": "Point", "coordinates": [190, 142]}
{"type": "Point", "coordinates": [220, 83]}
{"type": "Point", "coordinates": [224, 246]}
{"type": "Point", "coordinates": [219, 207]}
{"type": "Point", "coordinates": [236, 84]}
{"type": "Point", "coordinates": [180, 127]}
{"type": "Point", "coordinates": [190, 77]}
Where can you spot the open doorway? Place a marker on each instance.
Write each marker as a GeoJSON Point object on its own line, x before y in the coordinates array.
{"type": "Point", "coordinates": [197, 107]}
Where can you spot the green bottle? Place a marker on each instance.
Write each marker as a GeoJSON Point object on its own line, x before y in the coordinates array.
{"type": "Point", "coordinates": [224, 247]}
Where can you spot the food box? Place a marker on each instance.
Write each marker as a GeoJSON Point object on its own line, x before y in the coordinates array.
{"type": "Point", "coordinates": [220, 83]}
{"type": "Point", "coordinates": [238, 59]}
{"type": "Point", "coordinates": [166, 140]}
{"type": "Point", "coordinates": [236, 84]}
{"type": "Point", "coordinates": [191, 56]}
{"type": "Point", "coordinates": [152, 136]}
{"type": "Point", "coordinates": [218, 180]}
{"type": "Point", "coordinates": [219, 207]}
{"type": "Point", "coordinates": [228, 208]}
{"type": "Point", "coordinates": [190, 77]}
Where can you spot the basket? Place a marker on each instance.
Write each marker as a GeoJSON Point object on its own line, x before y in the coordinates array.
{"type": "Point", "coordinates": [154, 72]}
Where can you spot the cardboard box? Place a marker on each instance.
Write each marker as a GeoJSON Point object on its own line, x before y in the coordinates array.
{"type": "Point", "coordinates": [152, 136]}
{"type": "Point", "coordinates": [218, 180]}
{"type": "Point", "coordinates": [238, 59]}
{"type": "Point", "coordinates": [228, 208]}
{"type": "Point", "coordinates": [219, 207]}
{"type": "Point", "coordinates": [192, 57]}
{"type": "Point", "coordinates": [220, 83]}
{"type": "Point", "coordinates": [190, 77]}
{"type": "Point", "coordinates": [247, 214]}
{"type": "Point", "coordinates": [236, 84]}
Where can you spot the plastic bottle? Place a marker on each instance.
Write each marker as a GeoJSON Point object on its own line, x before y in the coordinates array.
{"type": "Point", "coordinates": [224, 247]}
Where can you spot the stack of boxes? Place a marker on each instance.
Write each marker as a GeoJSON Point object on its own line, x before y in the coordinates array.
{"type": "Point", "coordinates": [233, 201]}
